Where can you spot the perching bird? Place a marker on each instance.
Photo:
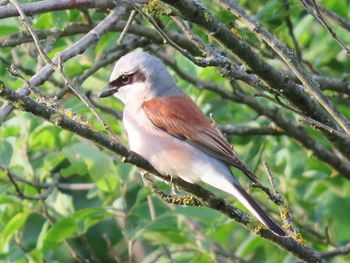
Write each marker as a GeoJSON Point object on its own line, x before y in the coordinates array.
{"type": "Point", "coordinates": [169, 130]}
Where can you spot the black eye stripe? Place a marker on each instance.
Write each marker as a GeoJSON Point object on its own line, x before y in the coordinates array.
{"type": "Point", "coordinates": [127, 79]}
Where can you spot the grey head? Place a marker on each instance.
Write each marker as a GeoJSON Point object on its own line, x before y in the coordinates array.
{"type": "Point", "coordinates": [140, 76]}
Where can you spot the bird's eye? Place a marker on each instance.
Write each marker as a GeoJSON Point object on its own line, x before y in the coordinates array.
{"type": "Point", "coordinates": [125, 79]}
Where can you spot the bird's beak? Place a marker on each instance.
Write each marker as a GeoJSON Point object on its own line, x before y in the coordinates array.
{"type": "Point", "coordinates": [107, 91]}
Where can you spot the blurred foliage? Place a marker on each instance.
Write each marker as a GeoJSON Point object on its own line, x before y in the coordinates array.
{"type": "Point", "coordinates": [110, 220]}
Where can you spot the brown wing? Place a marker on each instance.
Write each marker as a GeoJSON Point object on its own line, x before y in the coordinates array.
{"type": "Point", "coordinates": [182, 118]}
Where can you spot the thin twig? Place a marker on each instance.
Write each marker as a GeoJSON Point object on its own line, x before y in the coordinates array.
{"type": "Point", "coordinates": [127, 26]}
{"type": "Point", "coordinates": [152, 212]}
{"type": "Point", "coordinates": [14, 72]}
{"type": "Point", "coordinates": [203, 62]}
{"type": "Point", "coordinates": [291, 31]}
{"type": "Point", "coordinates": [171, 199]}
{"type": "Point", "coordinates": [284, 211]}
{"type": "Point", "coordinates": [41, 196]}
{"type": "Point", "coordinates": [25, 22]}
{"type": "Point", "coordinates": [333, 16]}
{"type": "Point", "coordinates": [111, 249]}
{"type": "Point", "coordinates": [318, 16]}
{"type": "Point", "coordinates": [52, 221]}
{"type": "Point", "coordinates": [343, 250]}
{"type": "Point", "coordinates": [39, 7]}
{"type": "Point", "coordinates": [307, 119]}
{"type": "Point", "coordinates": [85, 100]}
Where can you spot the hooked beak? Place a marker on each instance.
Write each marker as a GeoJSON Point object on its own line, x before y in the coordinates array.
{"type": "Point", "coordinates": [107, 91]}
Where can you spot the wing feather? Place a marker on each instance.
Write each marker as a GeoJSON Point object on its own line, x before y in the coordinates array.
{"type": "Point", "coordinates": [181, 117]}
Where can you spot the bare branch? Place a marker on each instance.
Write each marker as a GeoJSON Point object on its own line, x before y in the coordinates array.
{"type": "Point", "coordinates": [315, 12]}
{"type": "Point", "coordinates": [245, 130]}
{"type": "Point", "coordinates": [291, 30]}
{"type": "Point", "coordinates": [333, 16]}
{"type": "Point", "coordinates": [127, 26]}
{"type": "Point", "coordinates": [31, 9]}
{"type": "Point", "coordinates": [343, 250]}
{"type": "Point", "coordinates": [24, 21]}
{"type": "Point", "coordinates": [49, 187]}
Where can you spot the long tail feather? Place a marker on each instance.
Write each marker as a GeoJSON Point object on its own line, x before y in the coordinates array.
{"type": "Point", "coordinates": [230, 185]}
{"type": "Point", "coordinates": [257, 211]}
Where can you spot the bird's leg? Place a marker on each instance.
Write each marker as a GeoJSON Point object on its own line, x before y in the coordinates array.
{"type": "Point", "coordinates": [174, 189]}
{"type": "Point", "coordinates": [171, 199]}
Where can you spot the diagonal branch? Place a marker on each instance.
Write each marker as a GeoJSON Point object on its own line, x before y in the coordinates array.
{"type": "Point", "coordinates": [315, 12]}
{"type": "Point", "coordinates": [343, 250]}
{"type": "Point", "coordinates": [31, 9]}
{"type": "Point", "coordinates": [332, 16]}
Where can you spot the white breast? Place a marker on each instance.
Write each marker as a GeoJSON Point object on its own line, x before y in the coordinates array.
{"type": "Point", "coordinates": [166, 153]}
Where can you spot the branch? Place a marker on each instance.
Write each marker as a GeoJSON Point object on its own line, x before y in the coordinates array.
{"type": "Point", "coordinates": [79, 47]}
{"type": "Point", "coordinates": [31, 9]}
{"type": "Point", "coordinates": [343, 250]}
{"type": "Point", "coordinates": [49, 186]}
{"type": "Point", "coordinates": [333, 16]}
{"type": "Point", "coordinates": [74, 29]}
{"type": "Point", "coordinates": [290, 29]}
{"type": "Point", "coordinates": [25, 103]}
{"type": "Point", "coordinates": [315, 12]}
{"type": "Point", "coordinates": [241, 130]}
{"type": "Point", "coordinates": [171, 199]}
{"type": "Point", "coordinates": [338, 84]}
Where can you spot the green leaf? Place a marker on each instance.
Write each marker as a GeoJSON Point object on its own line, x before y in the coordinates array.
{"type": "Point", "coordinates": [36, 256]}
{"type": "Point", "coordinates": [99, 165]}
{"type": "Point", "coordinates": [77, 223]}
{"type": "Point", "coordinates": [203, 258]}
{"type": "Point", "coordinates": [88, 217]}
{"type": "Point", "coordinates": [6, 29]}
{"type": "Point", "coordinates": [42, 235]}
{"type": "Point", "coordinates": [8, 199]}
{"type": "Point", "coordinates": [59, 232]}
{"type": "Point", "coordinates": [64, 204]}
{"type": "Point", "coordinates": [165, 236]}
{"type": "Point", "coordinates": [44, 21]}
{"type": "Point", "coordinates": [13, 225]}
{"type": "Point", "coordinates": [248, 246]}
{"type": "Point", "coordinates": [5, 153]}
{"type": "Point", "coordinates": [60, 19]}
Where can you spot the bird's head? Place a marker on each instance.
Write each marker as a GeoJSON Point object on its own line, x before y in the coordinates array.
{"type": "Point", "coordinates": [138, 76]}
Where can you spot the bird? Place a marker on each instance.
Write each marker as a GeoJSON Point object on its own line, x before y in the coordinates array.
{"type": "Point", "coordinates": [170, 131]}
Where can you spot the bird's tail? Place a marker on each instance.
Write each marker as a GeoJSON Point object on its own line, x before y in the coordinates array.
{"type": "Point", "coordinates": [233, 187]}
